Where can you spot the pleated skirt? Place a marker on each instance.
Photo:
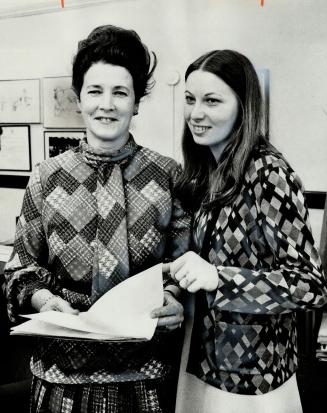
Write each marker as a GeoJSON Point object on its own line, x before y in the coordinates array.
{"type": "Point", "coordinates": [146, 396]}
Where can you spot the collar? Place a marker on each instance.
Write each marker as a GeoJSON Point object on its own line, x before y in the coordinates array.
{"type": "Point", "coordinates": [97, 157]}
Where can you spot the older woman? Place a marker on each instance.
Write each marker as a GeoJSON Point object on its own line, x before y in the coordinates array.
{"type": "Point", "coordinates": [92, 217]}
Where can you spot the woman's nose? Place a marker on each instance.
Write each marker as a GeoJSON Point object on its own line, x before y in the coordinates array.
{"type": "Point", "coordinates": [197, 111]}
{"type": "Point", "coordinates": [107, 101]}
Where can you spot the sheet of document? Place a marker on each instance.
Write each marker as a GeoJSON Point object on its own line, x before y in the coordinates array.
{"type": "Point", "coordinates": [41, 328]}
{"type": "Point", "coordinates": [122, 312]}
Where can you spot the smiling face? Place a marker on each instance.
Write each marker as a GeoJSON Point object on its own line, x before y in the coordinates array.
{"type": "Point", "coordinates": [107, 104]}
{"type": "Point", "coordinates": [211, 109]}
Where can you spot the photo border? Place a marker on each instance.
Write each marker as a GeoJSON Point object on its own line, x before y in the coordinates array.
{"type": "Point", "coordinates": [62, 134]}
{"type": "Point", "coordinates": [21, 117]}
{"type": "Point", "coordinates": [29, 154]}
{"type": "Point", "coordinates": [65, 106]}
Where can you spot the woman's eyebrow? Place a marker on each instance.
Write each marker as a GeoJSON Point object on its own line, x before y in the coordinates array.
{"type": "Point", "coordinates": [94, 85]}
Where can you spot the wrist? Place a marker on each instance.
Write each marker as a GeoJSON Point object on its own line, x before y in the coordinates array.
{"type": "Point", "coordinates": [173, 290]}
{"type": "Point", "coordinates": [214, 279]}
{"type": "Point", "coordinates": [40, 298]}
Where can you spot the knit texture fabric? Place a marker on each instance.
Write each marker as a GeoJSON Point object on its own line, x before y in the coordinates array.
{"type": "Point", "coordinates": [141, 396]}
{"type": "Point", "coordinates": [88, 221]}
{"type": "Point", "coordinates": [111, 249]}
{"type": "Point", "coordinates": [244, 340]}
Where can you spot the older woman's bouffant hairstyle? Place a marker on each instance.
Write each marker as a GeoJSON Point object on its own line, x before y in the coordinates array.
{"type": "Point", "coordinates": [117, 46]}
{"type": "Point", "coordinates": [203, 180]}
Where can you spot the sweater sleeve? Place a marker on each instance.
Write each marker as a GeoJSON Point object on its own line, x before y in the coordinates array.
{"type": "Point", "coordinates": [294, 280]}
{"type": "Point", "coordinates": [26, 272]}
{"type": "Point", "coordinates": [179, 230]}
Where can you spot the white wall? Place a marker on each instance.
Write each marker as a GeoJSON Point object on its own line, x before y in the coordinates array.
{"type": "Point", "coordinates": [287, 37]}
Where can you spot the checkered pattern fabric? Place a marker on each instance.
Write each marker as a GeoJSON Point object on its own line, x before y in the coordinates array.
{"type": "Point", "coordinates": [268, 267]}
{"type": "Point", "coordinates": [136, 397]}
{"type": "Point", "coordinates": [89, 220]}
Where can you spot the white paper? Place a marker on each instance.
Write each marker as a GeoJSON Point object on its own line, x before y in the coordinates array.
{"type": "Point", "coordinates": [122, 312]}
{"type": "Point", "coordinates": [40, 328]}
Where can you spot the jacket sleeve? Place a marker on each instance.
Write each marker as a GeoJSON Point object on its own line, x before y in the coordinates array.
{"type": "Point", "coordinates": [26, 271]}
{"type": "Point", "coordinates": [179, 230]}
{"type": "Point", "coordinates": [294, 280]}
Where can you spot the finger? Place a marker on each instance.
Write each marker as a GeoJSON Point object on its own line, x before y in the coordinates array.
{"type": "Point", "coordinates": [193, 287]}
{"type": "Point", "coordinates": [177, 265]}
{"type": "Point", "coordinates": [65, 307]}
{"type": "Point", "coordinates": [165, 311]}
{"type": "Point", "coordinates": [46, 307]}
{"type": "Point", "coordinates": [169, 321]}
{"type": "Point", "coordinates": [186, 282]}
{"type": "Point", "coordinates": [171, 307]}
{"type": "Point", "coordinates": [50, 305]}
{"type": "Point", "coordinates": [167, 329]}
{"type": "Point", "coordinates": [181, 273]}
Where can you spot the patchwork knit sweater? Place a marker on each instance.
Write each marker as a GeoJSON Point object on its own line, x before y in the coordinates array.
{"type": "Point", "coordinates": [244, 338]}
{"type": "Point", "coordinates": [70, 224]}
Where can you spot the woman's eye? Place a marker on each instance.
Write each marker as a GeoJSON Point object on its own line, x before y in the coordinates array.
{"type": "Point", "coordinates": [189, 100]}
{"type": "Point", "coordinates": [93, 92]}
{"type": "Point", "coordinates": [212, 101]}
{"type": "Point", "coordinates": [120, 93]}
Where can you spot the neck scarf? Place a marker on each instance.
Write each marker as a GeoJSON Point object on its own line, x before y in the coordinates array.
{"type": "Point", "coordinates": [111, 252]}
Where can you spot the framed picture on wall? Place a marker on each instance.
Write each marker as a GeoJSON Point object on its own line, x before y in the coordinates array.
{"type": "Point", "coordinates": [20, 101]}
{"type": "Point", "coordinates": [57, 142]}
{"type": "Point", "coordinates": [60, 104]}
{"type": "Point", "coordinates": [15, 148]}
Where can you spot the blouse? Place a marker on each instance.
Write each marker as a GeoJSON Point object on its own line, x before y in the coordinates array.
{"type": "Point", "coordinates": [87, 215]}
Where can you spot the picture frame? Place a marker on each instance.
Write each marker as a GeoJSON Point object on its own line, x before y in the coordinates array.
{"type": "Point", "coordinates": [15, 148]}
{"type": "Point", "coordinates": [57, 142]}
{"type": "Point", "coordinates": [14, 181]}
{"type": "Point", "coordinates": [60, 108]}
{"type": "Point", "coordinates": [20, 101]}
{"type": "Point", "coordinates": [264, 80]}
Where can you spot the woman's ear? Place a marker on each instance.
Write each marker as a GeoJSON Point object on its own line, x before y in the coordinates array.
{"type": "Point", "coordinates": [136, 109]}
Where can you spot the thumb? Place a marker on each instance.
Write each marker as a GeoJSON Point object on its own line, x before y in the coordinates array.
{"type": "Point", "coordinates": [65, 307]}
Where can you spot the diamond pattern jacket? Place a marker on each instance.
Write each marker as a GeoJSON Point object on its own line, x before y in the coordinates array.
{"type": "Point", "coordinates": [70, 223]}
{"type": "Point", "coordinates": [268, 268]}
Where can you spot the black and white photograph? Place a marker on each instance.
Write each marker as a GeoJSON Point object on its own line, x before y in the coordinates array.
{"type": "Point", "coordinates": [57, 142]}
{"type": "Point", "coordinates": [163, 208]}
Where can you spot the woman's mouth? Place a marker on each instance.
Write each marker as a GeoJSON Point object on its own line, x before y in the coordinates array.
{"type": "Point", "coordinates": [199, 129]}
{"type": "Point", "coordinates": [105, 120]}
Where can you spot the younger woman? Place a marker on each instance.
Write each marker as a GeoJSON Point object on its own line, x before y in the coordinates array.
{"type": "Point", "coordinates": [254, 261]}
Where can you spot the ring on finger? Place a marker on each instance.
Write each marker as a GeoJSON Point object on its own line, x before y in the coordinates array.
{"type": "Point", "coordinates": [187, 279]}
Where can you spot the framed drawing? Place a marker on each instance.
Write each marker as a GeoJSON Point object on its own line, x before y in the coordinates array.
{"type": "Point", "coordinates": [20, 101]}
{"type": "Point", "coordinates": [57, 142]}
{"type": "Point", "coordinates": [15, 148]}
{"type": "Point", "coordinates": [60, 104]}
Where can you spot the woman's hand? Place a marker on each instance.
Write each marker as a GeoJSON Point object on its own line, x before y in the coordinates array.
{"type": "Point", "coordinates": [193, 273]}
{"type": "Point", "coordinates": [44, 300]}
{"type": "Point", "coordinates": [170, 315]}
{"type": "Point", "coordinates": [58, 304]}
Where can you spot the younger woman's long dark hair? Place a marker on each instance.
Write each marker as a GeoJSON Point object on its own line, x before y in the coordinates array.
{"type": "Point", "coordinates": [203, 181]}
